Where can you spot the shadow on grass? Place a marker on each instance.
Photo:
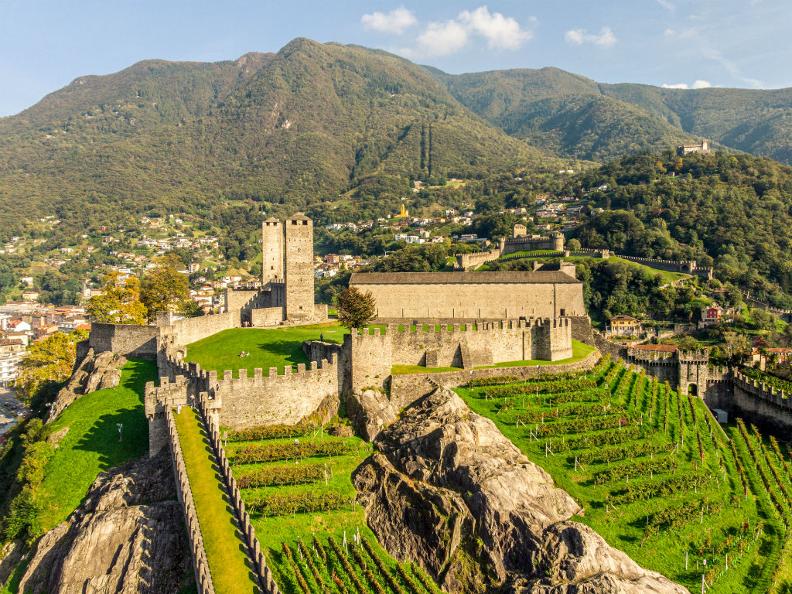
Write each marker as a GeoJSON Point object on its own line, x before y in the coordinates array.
{"type": "Point", "coordinates": [290, 350]}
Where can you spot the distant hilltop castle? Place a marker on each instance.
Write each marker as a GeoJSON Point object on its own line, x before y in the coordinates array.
{"type": "Point", "coordinates": [702, 147]}
{"type": "Point", "coordinates": [519, 241]}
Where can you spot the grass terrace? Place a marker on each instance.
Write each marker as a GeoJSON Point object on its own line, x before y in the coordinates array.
{"type": "Point", "coordinates": [655, 473]}
{"type": "Point", "coordinates": [228, 562]}
{"type": "Point", "coordinates": [297, 487]}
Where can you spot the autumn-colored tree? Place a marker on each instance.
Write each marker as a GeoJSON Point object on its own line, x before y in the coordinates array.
{"type": "Point", "coordinates": [165, 289]}
{"type": "Point", "coordinates": [47, 363]}
{"type": "Point", "coordinates": [356, 308]}
{"type": "Point", "coordinates": [119, 302]}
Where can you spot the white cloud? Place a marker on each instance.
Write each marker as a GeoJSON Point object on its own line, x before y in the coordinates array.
{"type": "Point", "coordinates": [605, 38]}
{"type": "Point", "coordinates": [397, 21]}
{"type": "Point", "coordinates": [442, 39]}
{"type": "Point", "coordinates": [669, 6]}
{"type": "Point", "coordinates": [500, 31]}
{"type": "Point", "coordinates": [697, 84]}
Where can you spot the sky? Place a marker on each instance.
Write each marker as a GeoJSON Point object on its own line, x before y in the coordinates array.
{"type": "Point", "coordinates": [45, 44]}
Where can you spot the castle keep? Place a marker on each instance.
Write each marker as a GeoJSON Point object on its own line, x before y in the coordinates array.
{"type": "Point", "coordinates": [287, 273]}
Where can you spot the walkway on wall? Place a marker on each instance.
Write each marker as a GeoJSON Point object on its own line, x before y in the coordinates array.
{"type": "Point", "coordinates": [225, 550]}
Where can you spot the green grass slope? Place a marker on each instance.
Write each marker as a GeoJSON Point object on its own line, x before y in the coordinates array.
{"type": "Point", "coordinates": [656, 475]}
{"type": "Point", "coordinates": [87, 441]}
{"type": "Point", "coordinates": [228, 563]}
{"type": "Point", "coordinates": [268, 347]}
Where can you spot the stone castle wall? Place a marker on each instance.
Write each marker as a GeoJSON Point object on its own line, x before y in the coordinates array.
{"type": "Point", "coordinates": [469, 302]}
{"type": "Point", "coordinates": [762, 403]}
{"type": "Point", "coordinates": [125, 339]}
{"type": "Point", "coordinates": [250, 400]}
{"type": "Point", "coordinates": [372, 354]}
{"type": "Point", "coordinates": [405, 389]}
{"type": "Point", "coordinates": [203, 577]}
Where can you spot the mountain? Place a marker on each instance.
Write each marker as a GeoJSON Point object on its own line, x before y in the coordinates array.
{"type": "Point", "coordinates": [576, 116]}
{"type": "Point", "coordinates": [298, 126]}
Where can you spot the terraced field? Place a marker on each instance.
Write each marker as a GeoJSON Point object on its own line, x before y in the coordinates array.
{"type": "Point", "coordinates": [656, 474]}
{"type": "Point", "coordinates": [296, 485]}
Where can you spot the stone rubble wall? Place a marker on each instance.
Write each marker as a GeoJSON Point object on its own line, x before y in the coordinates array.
{"type": "Point", "coordinates": [263, 574]}
{"type": "Point", "coordinates": [203, 577]}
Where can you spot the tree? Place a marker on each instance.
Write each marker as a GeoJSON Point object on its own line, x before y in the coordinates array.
{"type": "Point", "coordinates": [355, 307]}
{"type": "Point", "coordinates": [574, 245]}
{"type": "Point", "coordinates": [47, 364]}
{"type": "Point", "coordinates": [165, 289]}
{"type": "Point", "coordinates": [118, 303]}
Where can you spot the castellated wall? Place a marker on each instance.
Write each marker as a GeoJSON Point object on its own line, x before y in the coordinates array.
{"type": "Point", "coordinates": [371, 355]}
{"type": "Point", "coordinates": [189, 330]}
{"type": "Point", "coordinates": [473, 260]}
{"type": "Point", "coordinates": [762, 404]}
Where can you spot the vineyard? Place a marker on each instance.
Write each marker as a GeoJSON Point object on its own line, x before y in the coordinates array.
{"type": "Point", "coordinates": [296, 485]}
{"type": "Point", "coordinates": [655, 473]}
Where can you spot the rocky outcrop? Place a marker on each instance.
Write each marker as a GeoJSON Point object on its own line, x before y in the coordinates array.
{"type": "Point", "coordinates": [446, 489]}
{"type": "Point", "coordinates": [127, 537]}
{"type": "Point", "coordinates": [370, 411]}
{"type": "Point", "coordinates": [95, 372]}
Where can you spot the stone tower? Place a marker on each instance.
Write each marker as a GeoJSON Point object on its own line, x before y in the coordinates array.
{"type": "Point", "coordinates": [558, 241]}
{"type": "Point", "coordinates": [693, 372]}
{"type": "Point", "coordinates": [272, 251]}
{"type": "Point", "coordinates": [298, 268]}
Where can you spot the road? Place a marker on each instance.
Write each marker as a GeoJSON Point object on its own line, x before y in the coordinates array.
{"type": "Point", "coordinates": [10, 409]}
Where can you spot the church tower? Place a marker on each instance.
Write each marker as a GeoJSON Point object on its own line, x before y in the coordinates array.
{"type": "Point", "coordinates": [298, 267]}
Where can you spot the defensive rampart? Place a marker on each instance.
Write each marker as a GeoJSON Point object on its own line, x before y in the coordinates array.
{"type": "Point", "coordinates": [125, 339]}
{"type": "Point", "coordinates": [243, 400]}
{"type": "Point", "coordinates": [407, 388]}
{"type": "Point", "coordinates": [372, 353]}
{"type": "Point", "coordinates": [203, 577]}
{"type": "Point", "coordinates": [253, 548]}
{"type": "Point", "coordinates": [762, 403]}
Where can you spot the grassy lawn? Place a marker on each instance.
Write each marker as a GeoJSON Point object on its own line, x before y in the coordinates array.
{"type": "Point", "coordinates": [668, 277]}
{"type": "Point", "coordinates": [656, 421]}
{"type": "Point", "coordinates": [89, 442]}
{"type": "Point", "coordinates": [228, 563]}
{"type": "Point", "coordinates": [408, 369]}
{"type": "Point", "coordinates": [268, 347]}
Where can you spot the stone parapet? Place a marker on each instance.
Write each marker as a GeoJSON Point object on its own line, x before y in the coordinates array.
{"type": "Point", "coordinates": [203, 577]}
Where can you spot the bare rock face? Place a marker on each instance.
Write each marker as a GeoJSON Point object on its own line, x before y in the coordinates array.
{"type": "Point", "coordinates": [370, 411]}
{"type": "Point", "coordinates": [127, 537]}
{"type": "Point", "coordinates": [449, 491]}
{"type": "Point", "coordinates": [95, 372]}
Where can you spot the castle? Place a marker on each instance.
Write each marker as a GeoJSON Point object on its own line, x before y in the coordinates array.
{"type": "Point", "coordinates": [518, 242]}
{"type": "Point", "coordinates": [702, 147]}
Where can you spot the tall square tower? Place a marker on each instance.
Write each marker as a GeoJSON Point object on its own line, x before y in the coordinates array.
{"type": "Point", "coordinates": [272, 251]}
{"type": "Point", "coordinates": [298, 268]}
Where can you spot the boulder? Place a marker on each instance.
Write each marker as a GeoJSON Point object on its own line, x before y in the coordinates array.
{"type": "Point", "coordinates": [127, 536]}
{"type": "Point", "coordinates": [370, 411]}
{"type": "Point", "coordinates": [449, 491]}
{"type": "Point", "coordinates": [95, 372]}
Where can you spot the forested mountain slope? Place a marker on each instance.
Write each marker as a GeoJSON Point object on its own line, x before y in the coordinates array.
{"type": "Point", "coordinates": [734, 211]}
{"type": "Point", "coordinates": [299, 125]}
{"type": "Point", "coordinates": [575, 116]}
